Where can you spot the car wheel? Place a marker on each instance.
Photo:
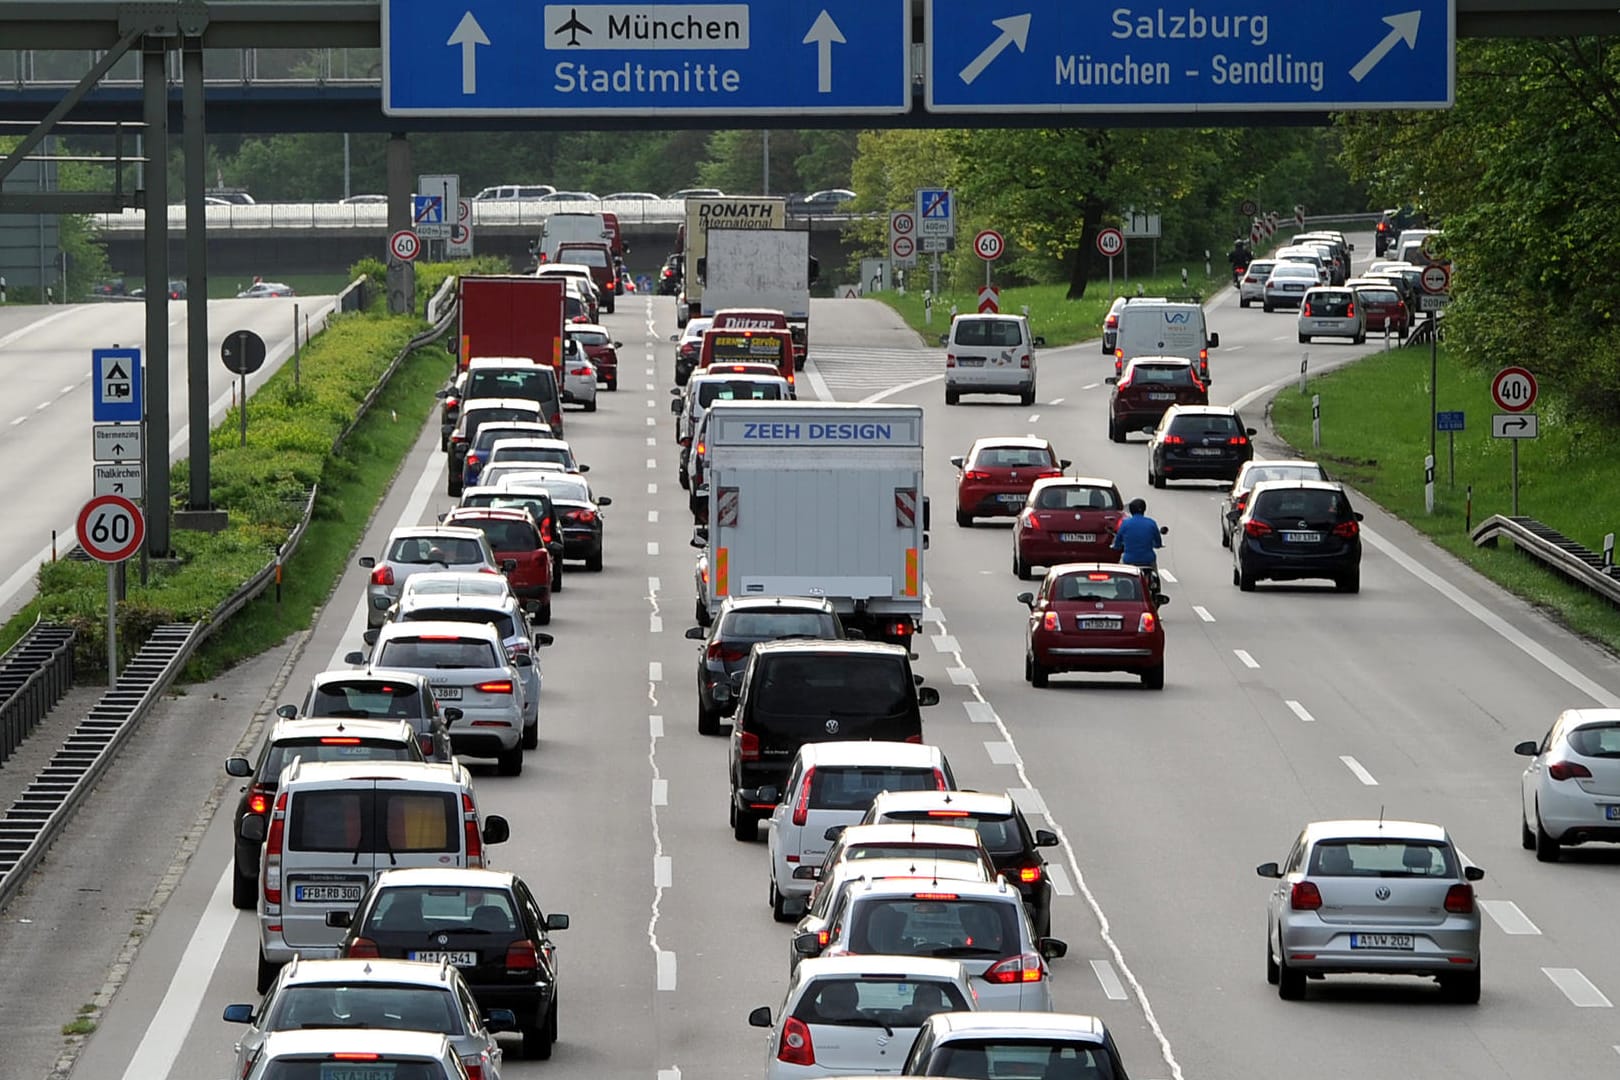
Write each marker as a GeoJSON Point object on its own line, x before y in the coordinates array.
{"type": "Point", "coordinates": [1241, 577]}
{"type": "Point", "coordinates": [1269, 306]}
{"type": "Point", "coordinates": [1304, 339]}
{"type": "Point", "coordinates": [1272, 972]}
{"type": "Point", "coordinates": [779, 908]}
{"type": "Point", "coordinates": [267, 973]}
{"type": "Point", "coordinates": [1027, 397]}
{"type": "Point", "coordinates": [744, 826]}
{"type": "Point", "coordinates": [1226, 537]}
{"type": "Point", "coordinates": [452, 487]}
{"type": "Point", "coordinates": [543, 616]}
{"type": "Point", "coordinates": [1039, 674]}
{"type": "Point", "coordinates": [590, 406]}
{"type": "Point", "coordinates": [964, 521]}
{"type": "Point", "coordinates": [1290, 982]}
{"type": "Point", "coordinates": [531, 735]}
{"type": "Point", "coordinates": [1020, 568]}
{"type": "Point", "coordinates": [612, 383]}
{"type": "Point", "coordinates": [593, 561]}
{"type": "Point", "coordinates": [708, 719]}
{"type": "Point", "coordinates": [244, 890]}
{"type": "Point", "coordinates": [1462, 989]}
{"type": "Point", "coordinates": [1349, 583]}
{"type": "Point", "coordinates": [1361, 339]}
{"type": "Point", "coordinates": [952, 397]}
{"type": "Point", "coordinates": [537, 1040]}
{"type": "Point", "coordinates": [1029, 668]}
{"type": "Point", "coordinates": [1527, 838]}
{"type": "Point", "coordinates": [510, 762]}
{"type": "Point", "coordinates": [686, 485]}
{"type": "Point", "coordinates": [1153, 678]}
{"type": "Point", "coordinates": [1156, 480]}
{"type": "Point", "coordinates": [1547, 848]}
{"type": "Point", "coordinates": [1244, 302]}
{"type": "Point", "coordinates": [701, 614]}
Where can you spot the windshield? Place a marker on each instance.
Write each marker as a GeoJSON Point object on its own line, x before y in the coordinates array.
{"type": "Point", "coordinates": [538, 505]}
{"type": "Point", "coordinates": [1006, 1059]}
{"type": "Point", "coordinates": [1306, 503]}
{"type": "Point", "coordinates": [335, 748]}
{"type": "Point", "coordinates": [361, 818]}
{"type": "Point", "coordinates": [1381, 859]}
{"type": "Point", "coordinates": [813, 685]}
{"type": "Point", "coordinates": [366, 701]}
{"type": "Point", "coordinates": [1099, 586]}
{"type": "Point", "coordinates": [709, 392]}
{"type": "Point", "coordinates": [589, 337]}
{"type": "Point", "coordinates": [1596, 740]}
{"type": "Point", "coordinates": [469, 585]}
{"type": "Point", "coordinates": [366, 1005]}
{"type": "Point", "coordinates": [1012, 457]}
{"type": "Point", "coordinates": [921, 852]}
{"type": "Point", "coordinates": [895, 1002]}
{"type": "Point", "coordinates": [322, 1068]}
{"type": "Point", "coordinates": [490, 434]}
{"type": "Point", "coordinates": [1260, 473]}
{"type": "Point", "coordinates": [473, 419]}
{"type": "Point", "coordinates": [945, 927]}
{"type": "Point", "coordinates": [1201, 424]}
{"type": "Point", "coordinates": [436, 652]}
{"type": "Point", "coordinates": [507, 536]}
{"type": "Point", "coordinates": [1167, 374]}
{"type": "Point", "coordinates": [535, 383]}
{"type": "Point", "coordinates": [500, 620]}
{"type": "Point", "coordinates": [766, 625]}
{"type": "Point", "coordinates": [447, 550]}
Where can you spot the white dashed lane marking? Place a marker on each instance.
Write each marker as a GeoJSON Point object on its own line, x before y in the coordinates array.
{"type": "Point", "coordinates": [1058, 874]}
{"type": "Point", "coordinates": [1243, 655]}
{"type": "Point", "coordinates": [1578, 988]}
{"type": "Point", "coordinates": [652, 517]}
{"type": "Point", "coordinates": [1506, 914]}
{"type": "Point", "coordinates": [1029, 800]}
{"type": "Point", "coordinates": [1168, 576]}
{"type": "Point", "coordinates": [1109, 980]}
{"type": "Point", "coordinates": [962, 676]}
{"type": "Point", "coordinates": [980, 712]}
{"type": "Point", "coordinates": [660, 792]}
{"type": "Point", "coordinates": [945, 643]}
{"type": "Point", "coordinates": [652, 463]}
{"type": "Point", "coordinates": [655, 671]}
{"type": "Point", "coordinates": [652, 489]}
{"type": "Point", "coordinates": [652, 547]}
{"type": "Point", "coordinates": [1299, 710]}
{"type": "Point", "coordinates": [1034, 417]}
{"type": "Point", "coordinates": [1203, 613]}
{"type": "Point", "coordinates": [1359, 770]}
{"type": "Point", "coordinates": [1001, 753]}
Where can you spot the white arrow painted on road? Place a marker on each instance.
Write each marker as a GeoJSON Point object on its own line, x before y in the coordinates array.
{"type": "Point", "coordinates": [1014, 31]}
{"type": "Point", "coordinates": [824, 33]}
{"type": "Point", "coordinates": [1402, 27]}
{"type": "Point", "coordinates": [469, 35]}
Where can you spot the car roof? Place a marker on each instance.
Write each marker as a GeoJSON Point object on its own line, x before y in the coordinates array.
{"type": "Point", "coordinates": [1012, 1024]}
{"type": "Point", "coordinates": [390, 1043]}
{"type": "Point", "coordinates": [1313, 485]}
{"type": "Point", "coordinates": [492, 602]}
{"type": "Point", "coordinates": [478, 362]}
{"type": "Point", "coordinates": [1369, 828]}
{"type": "Point", "coordinates": [492, 513]}
{"type": "Point", "coordinates": [1272, 463]}
{"type": "Point", "coordinates": [873, 752]}
{"type": "Point", "coordinates": [382, 674]}
{"type": "Point", "coordinates": [1328, 288]}
{"type": "Point", "coordinates": [919, 832]}
{"type": "Point", "coordinates": [761, 603]}
{"type": "Point", "coordinates": [1032, 442]}
{"type": "Point", "coordinates": [447, 532]}
{"type": "Point", "coordinates": [328, 727]}
{"type": "Point", "coordinates": [839, 647]}
{"type": "Point", "coordinates": [909, 869]}
{"type": "Point", "coordinates": [598, 327]}
{"type": "Point", "coordinates": [1574, 718]}
{"type": "Point", "coordinates": [1377, 282]}
{"type": "Point", "coordinates": [416, 772]}
{"type": "Point", "coordinates": [545, 442]}
{"type": "Point", "coordinates": [822, 967]}
{"type": "Point", "coordinates": [346, 971]}
{"type": "Point", "coordinates": [986, 316]}
{"type": "Point", "coordinates": [1070, 481]}
{"type": "Point", "coordinates": [1202, 410]}
{"type": "Point", "coordinates": [458, 577]}
{"type": "Point", "coordinates": [521, 404]}
{"type": "Point", "coordinates": [431, 628]}
{"type": "Point", "coordinates": [889, 888]}
{"type": "Point", "coordinates": [1287, 268]}
{"type": "Point", "coordinates": [431, 876]}
{"type": "Point", "coordinates": [974, 802]}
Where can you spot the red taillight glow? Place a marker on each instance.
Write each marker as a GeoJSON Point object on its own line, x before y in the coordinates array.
{"type": "Point", "coordinates": [1347, 529]}
{"type": "Point", "coordinates": [1256, 529]}
{"type": "Point", "coordinates": [1111, 322]}
{"type": "Point", "coordinates": [1568, 770]}
{"type": "Point", "coordinates": [1146, 622]}
{"type": "Point", "coordinates": [1029, 875]}
{"type": "Point", "coordinates": [726, 653]}
{"type": "Point", "coordinates": [1238, 440]}
{"type": "Point", "coordinates": [472, 458]}
{"type": "Point", "coordinates": [363, 949]}
{"type": "Point", "coordinates": [1305, 310]}
{"type": "Point", "coordinates": [1029, 520]}
{"type": "Point", "coordinates": [1173, 440]}
{"type": "Point", "coordinates": [1350, 311]}
{"type": "Point", "coordinates": [1460, 899]}
{"type": "Point", "coordinates": [801, 808]}
{"type": "Point", "coordinates": [474, 1067]}
{"type": "Point", "coordinates": [1049, 620]}
{"type": "Point", "coordinates": [583, 517]}
{"type": "Point", "coordinates": [339, 740]}
{"type": "Point", "coordinates": [258, 799]}
{"type": "Point", "coordinates": [935, 896]}
{"type": "Point", "coordinates": [975, 474]}
{"type": "Point", "coordinates": [469, 825]}
{"type": "Point", "coordinates": [1305, 896]}
{"type": "Point", "coordinates": [383, 575]}
{"type": "Point", "coordinates": [796, 1047]}
{"type": "Point", "coordinates": [939, 781]}
{"type": "Point", "coordinates": [522, 956]}
{"type": "Point", "coordinates": [272, 851]}
{"type": "Point", "coordinates": [503, 686]}
{"type": "Point", "coordinates": [1023, 968]}
{"type": "Point", "coordinates": [427, 745]}
{"type": "Point", "coordinates": [748, 746]}
{"type": "Point", "coordinates": [947, 813]}
{"type": "Point", "coordinates": [346, 1056]}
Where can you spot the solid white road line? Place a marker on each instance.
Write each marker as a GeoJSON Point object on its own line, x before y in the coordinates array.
{"type": "Point", "coordinates": [980, 712]}
{"type": "Point", "coordinates": [1109, 980]}
{"type": "Point", "coordinates": [1058, 874]}
{"type": "Point", "coordinates": [1299, 710]}
{"type": "Point", "coordinates": [1359, 770]}
{"type": "Point", "coordinates": [1577, 987]}
{"type": "Point", "coordinates": [1248, 661]}
{"type": "Point", "coordinates": [945, 643]}
{"type": "Point", "coordinates": [818, 385]}
{"type": "Point", "coordinates": [1506, 914]}
{"type": "Point", "coordinates": [1203, 613]}
{"type": "Point", "coordinates": [962, 676]}
{"type": "Point", "coordinates": [1001, 753]}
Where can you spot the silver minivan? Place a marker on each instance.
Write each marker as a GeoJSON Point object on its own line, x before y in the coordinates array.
{"type": "Point", "coordinates": [1332, 311]}
{"type": "Point", "coordinates": [990, 354]}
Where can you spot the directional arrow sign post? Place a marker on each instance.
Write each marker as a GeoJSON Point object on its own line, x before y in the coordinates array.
{"type": "Point", "coordinates": [759, 57]}
{"type": "Point", "coordinates": [1224, 55]}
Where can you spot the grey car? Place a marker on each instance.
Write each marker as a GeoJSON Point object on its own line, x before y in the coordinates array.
{"type": "Point", "coordinates": [468, 666]}
{"type": "Point", "coordinates": [380, 694]}
{"type": "Point", "coordinates": [1383, 897]}
{"type": "Point", "coordinates": [385, 995]}
{"type": "Point", "coordinates": [415, 549]}
{"type": "Point", "coordinates": [1252, 473]}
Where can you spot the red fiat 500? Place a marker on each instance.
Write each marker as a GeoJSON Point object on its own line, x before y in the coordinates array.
{"type": "Point", "coordinates": [994, 477]}
{"type": "Point", "coordinates": [1094, 617]}
{"type": "Point", "coordinates": [1067, 519]}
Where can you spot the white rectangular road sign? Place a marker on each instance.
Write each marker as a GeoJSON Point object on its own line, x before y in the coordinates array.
{"type": "Point", "coordinates": [1433, 301]}
{"type": "Point", "coordinates": [1515, 426]}
{"type": "Point", "coordinates": [444, 191]}
{"type": "Point", "coordinates": [116, 442]}
{"type": "Point", "coordinates": [1141, 226]}
{"type": "Point", "coordinates": [122, 480]}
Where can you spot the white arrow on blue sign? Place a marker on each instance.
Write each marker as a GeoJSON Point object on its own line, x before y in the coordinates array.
{"type": "Point", "coordinates": [1217, 55]}
{"type": "Point", "coordinates": [115, 386]}
{"type": "Point", "coordinates": [761, 57]}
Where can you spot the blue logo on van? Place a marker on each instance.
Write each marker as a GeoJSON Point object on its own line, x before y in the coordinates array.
{"type": "Point", "coordinates": [1176, 318]}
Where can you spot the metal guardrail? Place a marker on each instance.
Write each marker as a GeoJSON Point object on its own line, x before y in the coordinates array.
{"type": "Point", "coordinates": [34, 674]}
{"type": "Point", "coordinates": [1574, 561]}
{"type": "Point", "coordinates": [353, 296]}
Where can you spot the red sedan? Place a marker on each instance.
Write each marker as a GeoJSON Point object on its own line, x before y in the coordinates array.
{"type": "Point", "coordinates": [601, 349]}
{"type": "Point", "coordinates": [994, 477]}
{"type": "Point", "coordinates": [1383, 306]}
{"type": "Point", "coordinates": [1067, 519]}
{"type": "Point", "coordinates": [1094, 617]}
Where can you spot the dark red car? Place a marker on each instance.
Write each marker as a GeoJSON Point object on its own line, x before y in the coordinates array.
{"type": "Point", "coordinates": [512, 535]}
{"type": "Point", "coordinates": [1067, 519]}
{"type": "Point", "coordinates": [1149, 386]}
{"type": "Point", "coordinates": [602, 350]}
{"type": "Point", "coordinates": [1382, 306]}
{"type": "Point", "coordinates": [994, 478]}
{"type": "Point", "coordinates": [1094, 617]}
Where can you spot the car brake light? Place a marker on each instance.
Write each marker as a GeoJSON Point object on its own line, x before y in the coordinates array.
{"type": "Point", "coordinates": [350, 1056]}
{"type": "Point", "coordinates": [1045, 473]}
{"type": "Point", "coordinates": [1030, 521]}
{"type": "Point", "coordinates": [580, 372]}
{"type": "Point", "coordinates": [272, 852]}
{"type": "Point", "coordinates": [975, 474]}
{"type": "Point", "coordinates": [1305, 311]}
{"type": "Point", "coordinates": [947, 813]}
{"type": "Point", "coordinates": [1346, 529]}
{"type": "Point", "coordinates": [427, 745]}
{"type": "Point", "coordinates": [801, 808]}
{"type": "Point", "coordinates": [502, 686]}
{"type": "Point", "coordinates": [1111, 322]}
{"type": "Point", "coordinates": [748, 746]}
{"type": "Point", "coordinates": [1305, 896]}
{"type": "Point", "coordinates": [1350, 311]}
{"type": "Point", "coordinates": [1125, 383]}
{"type": "Point", "coordinates": [1198, 383]}
{"type": "Point", "coordinates": [1568, 770]}
{"type": "Point", "coordinates": [1460, 899]}
{"type": "Point", "coordinates": [1145, 622]}
{"type": "Point", "coordinates": [1024, 361]}
{"type": "Point", "coordinates": [1029, 875]}
{"type": "Point", "coordinates": [545, 531]}
{"type": "Point", "coordinates": [469, 825]}
{"type": "Point", "coordinates": [383, 575]}
{"type": "Point", "coordinates": [796, 1048]}
{"type": "Point", "coordinates": [1023, 968]}
{"type": "Point", "coordinates": [339, 740]}
{"type": "Point", "coordinates": [584, 517]}
{"type": "Point", "coordinates": [1238, 440]}
{"type": "Point", "coordinates": [258, 799]}
{"type": "Point", "coordinates": [522, 956]}
{"type": "Point", "coordinates": [950, 360]}
{"type": "Point", "coordinates": [699, 449]}
{"type": "Point", "coordinates": [726, 653]}
{"type": "Point", "coordinates": [916, 739]}
{"type": "Point", "coordinates": [935, 896]}
{"type": "Point", "coordinates": [1173, 440]}
{"type": "Point", "coordinates": [556, 420]}
{"type": "Point", "coordinates": [472, 458]}
{"type": "Point", "coordinates": [1049, 621]}
{"type": "Point", "coordinates": [474, 1067]}
{"type": "Point", "coordinates": [939, 781]}
{"type": "Point", "coordinates": [1256, 529]}
{"type": "Point", "coordinates": [362, 948]}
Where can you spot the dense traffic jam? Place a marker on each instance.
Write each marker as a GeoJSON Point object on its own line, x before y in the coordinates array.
{"type": "Point", "coordinates": [921, 913]}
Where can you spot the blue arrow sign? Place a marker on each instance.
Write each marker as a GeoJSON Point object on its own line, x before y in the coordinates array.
{"type": "Point", "coordinates": [1188, 55]}
{"type": "Point", "coordinates": [115, 386]}
{"type": "Point", "coordinates": [531, 58]}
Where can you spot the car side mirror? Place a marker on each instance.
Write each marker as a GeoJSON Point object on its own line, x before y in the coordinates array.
{"type": "Point", "coordinates": [760, 1017]}
{"type": "Point", "coordinates": [368, 562]}
{"type": "Point", "coordinates": [770, 793]}
{"type": "Point", "coordinates": [1214, 341]}
{"type": "Point", "coordinates": [1268, 869]}
{"type": "Point", "coordinates": [253, 829]}
{"type": "Point", "coordinates": [522, 660]}
{"type": "Point", "coordinates": [453, 346]}
{"type": "Point", "coordinates": [603, 500]}
{"type": "Point", "coordinates": [497, 1020]}
{"type": "Point", "coordinates": [926, 696]}
{"type": "Point", "coordinates": [700, 541]}
{"type": "Point", "coordinates": [619, 344]}
{"type": "Point", "coordinates": [1474, 873]}
{"type": "Point", "coordinates": [674, 337]}
{"type": "Point", "coordinates": [735, 679]}
{"type": "Point", "coordinates": [1027, 599]}
{"type": "Point", "coordinates": [339, 920]}
{"type": "Point", "coordinates": [357, 659]}
{"type": "Point", "coordinates": [1160, 599]}
{"type": "Point", "coordinates": [1250, 431]}
{"type": "Point", "coordinates": [496, 830]}
{"type": "Point", "coordinates": [1149, 430]}
{"type": "Point", "coordinates": [508, 565]}
{"type": "Point", "coordinates": [1360, 516]}
{"type": "Point", "coordinates": [958, 460]}
{"type": "Point", "coordinates": [442, 394]}
{"type": "Point", "coordinates": [834, 832]}
{"type": "Point", "coordinates": [1046, 838]}
{"type": "Point", "coordinates": [1111, 380]}
{"type": "Point", "coordinates": [1527, 749]}
{"type": "Point", "coordinates": [238, 766]}
{"type": "Point", "coordinates": [287, 712]}
{"type": "Point", "coordinates": [369, 637]}
{"type": "Point", "coordinates": [557, 922]}
{"type": "Point", "coordinates": [1040, 342]}
{"type": "Point", "coordinates": [695, 633]}
{"type": "Point", "coordinates": [238, 1014]}
{"type": "Point", "coordinates": [807, 943]}
{"type": "Point", "coordinates": [1064, 463]}
{"type": "Point", "coordinates": [852, 634]}
{"type": "Point", "coordinates": [543, 640]}
{"type": "Point", "coordinates": [452, 714]}
{"type": "Point", "coordinates": [1053, 948]}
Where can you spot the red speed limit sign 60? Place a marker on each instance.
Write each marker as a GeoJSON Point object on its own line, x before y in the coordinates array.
{"type": "Point", "coordinates": [989, 245]}
{"type": "Point", "coordinates": [1110, 242]}
{"type": "Point", "coordinates": [404, 245]}
{"type": "Point", "coordinates": [111, 528]}
{"type": "Point", "coordinates": [1514, 389]}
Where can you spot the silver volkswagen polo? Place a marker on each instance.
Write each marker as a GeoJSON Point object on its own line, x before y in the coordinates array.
{"type": "Point", "coordinates": [1384, 897]}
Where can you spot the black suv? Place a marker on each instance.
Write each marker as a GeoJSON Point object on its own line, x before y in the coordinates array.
{"type": "Point", "coordinates": [796, 692]}
{"type": "Point", "coordinates": [742, 623]}
{"type": "Point", "coordinates": [1198, 442]}
{"type": "Point", "coordinates": [1295, 529]}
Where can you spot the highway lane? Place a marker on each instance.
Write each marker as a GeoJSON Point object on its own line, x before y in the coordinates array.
{"type": "Point", "coordinates": [45, 418]}
{"type": "Point", "coordinates": [1167, 800]}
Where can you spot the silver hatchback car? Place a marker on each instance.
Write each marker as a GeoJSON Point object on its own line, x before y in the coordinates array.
{"type": "Point", "coordinates": [1384, 897]}
{"type": "Point", "coordinates": [1332, 312]}
{"type": "Point", "coordinates": [418, 548]}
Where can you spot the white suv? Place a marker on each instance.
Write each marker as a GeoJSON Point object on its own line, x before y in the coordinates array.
{"type": "Point", "coordinates": [833, 784]}
{"type": "Point", "coordinates": [990, 354]}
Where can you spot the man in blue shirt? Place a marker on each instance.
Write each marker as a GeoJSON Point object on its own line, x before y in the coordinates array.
{"type": "Point", "coordinates": [1137, 540]}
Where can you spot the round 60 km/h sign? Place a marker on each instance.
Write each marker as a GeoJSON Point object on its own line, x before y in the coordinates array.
{"type": "Point", "coordinates": [404, 245]}
{"type": "Point", "coordinates": [1110, 242]}
{"type": "Point", "coordinates": [1514, 389]}
{"type": "Point", "coordinates": [989, 245]}
{"type": "Point", "coordinates": [111, 528]}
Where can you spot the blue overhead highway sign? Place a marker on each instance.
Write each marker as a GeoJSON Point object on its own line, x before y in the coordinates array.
{"type": "Point", "coordinates": [1060, 56]}
{"type": "Point", "coordinates": [530, 58]}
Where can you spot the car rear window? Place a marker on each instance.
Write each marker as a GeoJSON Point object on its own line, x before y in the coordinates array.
{"type": "Point", "coordinates": [555, 484]}
{"type": "Point", "coordinates": [587, 256]}
{"type": "Point", "coordinates": [999, 833]}
{"type": "Point", "coordinates": [1077, 497]}
{"type": "Point", "coordinates": [538, 505]}
{"type": "Point", "coordinates": [1382, 858]}
{"type": "Point", "coordinates": [312, 748]}
{"type": "Point", "coordinates": [589, 337]}
{"type": "Point", "coordinates": [366, 701]}
{"type": "Point", "coordinates": [1379, 296]}
{"type": "Point", "coordinates": [1257, 474]}
{"type": "Point", "coordinates": [444, 908]}
{"type": "Point", "coordinates": [944, 927]}
{"type": "Point", "coordinates": [767, 625]}
{"type": "Point", "coordinates": [818, 686]}
{"type": "Point", "coordinates": [440, 584]}
{"type": "Point", "coordinates": [1031, 1057]}
{"type": "Point", "coordinates": [1330, 303]}
{"type": "Point", "coordinates": [500, 620]}
{"type": "Point", "coordinates": [476, 418]}
{"type": "Point", "coordinates": [436, 652]}
{"type": "Point", "coordinates": [490, 434]}
{"type": "Point", "coordinates": [996, 333]}
{"type": "Point", "coordinates": [901, 1001]}
{"type": "Point", "coordinates": [1099, 585]}
{"type": "Point", "coordinates": [366, 1005]}
{"type": "Point", "coordinates": [1596, 740]}
{"type": "Point", "coordinates": [506, 455]}
{"type": "Point", "coordinates": [1163, 374]}
{"type": "Point", "coordinates": [1262, 267]}
{"type": "Point", "coordinates": [1012, 457]}
{"type": "Point", "coordinates": [426, 550]}
{"type": "Point", "coordinates": [1307, 503]}
{"type": "Point", "coordinates": [737, 390]}
{"type": "Point", "coordinates": [399, 820]}
{"type": "Point", "coordinates": [925, 852]}
{"type": "Point", "coordinates": [321, 1068]}
{"type": "Point", "coordinates": [1290, 268]}
{"type": "Point", "coordinates": [1206, 424]}
{"type": "Point", "coordinates": [853, 787]}
{"type": "Point", "coordinates": [535, 383]}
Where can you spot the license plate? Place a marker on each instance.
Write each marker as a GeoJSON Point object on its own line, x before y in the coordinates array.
{"type": "Point", "coordinates": [971, 361]}
{"type": "Point", "coordinates": [1612, 813]}
{"type": "Point", "coordinates": [1011, 497]}
{"type": "Point", "coordinates": [1381, 941]}
{"type": "Point", "coordinates": [460, 959]}
{"type": "Point", "coordinates": [327, 894]}
{"type": "Point", "coordinates": [1293, 288]}
{"type": "Point", "coordinates": [1099, 624]}
{"type": "Point", "coordinates": [447, 693]}
{"type": "Point", "coordinates": [1302, 537]}
{"type": "Point", "coordinates": [1205, 451]}
{"type": "Point", "coordinates": [1078, 538]}
{"type": "Point", "coordinates": [1161, 397]}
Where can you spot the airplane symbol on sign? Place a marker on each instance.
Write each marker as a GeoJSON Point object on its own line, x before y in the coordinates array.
{"type": "Point", "coordinates": [572, 28]}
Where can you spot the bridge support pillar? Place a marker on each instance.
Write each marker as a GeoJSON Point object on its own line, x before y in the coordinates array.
{"type": "Point", "coordinates": [401, 274]}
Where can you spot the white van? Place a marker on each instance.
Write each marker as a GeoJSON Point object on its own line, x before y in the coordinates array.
{"type": "Point", "coordinates": [990, 354]}
{"type": "Point", "coordinates": [336, 825]}
{"type": "Point", "coordinates": [1155, 326]}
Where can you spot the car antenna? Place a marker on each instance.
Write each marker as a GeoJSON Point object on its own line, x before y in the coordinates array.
{"type": "Point", "coordinates": [1380, 817]}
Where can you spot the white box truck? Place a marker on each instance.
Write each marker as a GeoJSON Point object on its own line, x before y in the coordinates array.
{"type": "Point", "coordinates": [718, 212]}
{"type": "Point", "coordinates": [819, 499]}
{"type": "Point", "coordinates": [761, 270]}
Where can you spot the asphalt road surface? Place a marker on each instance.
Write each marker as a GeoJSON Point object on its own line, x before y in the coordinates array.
{"type": "Point", "coordinates": [1280, 706]}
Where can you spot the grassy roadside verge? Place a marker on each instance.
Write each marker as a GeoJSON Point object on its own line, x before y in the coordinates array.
{"type": "Point", "coordinates": [1059, 320]}
{"type": "Point", "coordinates": [1375, 416]}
